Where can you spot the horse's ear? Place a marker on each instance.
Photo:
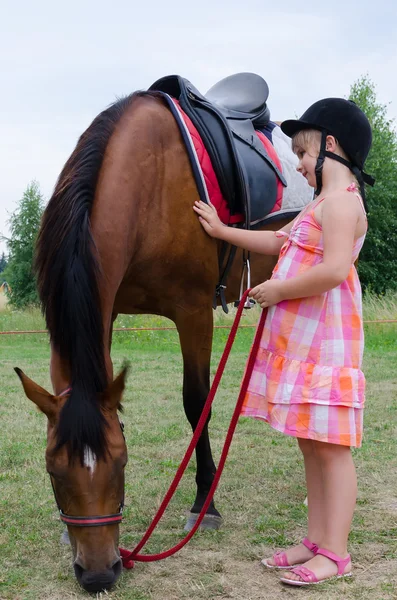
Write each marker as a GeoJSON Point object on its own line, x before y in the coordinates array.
{"type": "Point", "coordinates": [45, 401]}
{"type": "Point", "coordinates": [114, 391]}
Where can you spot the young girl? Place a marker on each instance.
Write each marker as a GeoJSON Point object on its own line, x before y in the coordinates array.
{"type": "Point", "coordinates": [307, 380]}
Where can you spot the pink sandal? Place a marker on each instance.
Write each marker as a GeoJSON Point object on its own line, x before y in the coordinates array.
{"type": "Point", "coordinates": [281, 560]}
{"type": "Point", "coordinates": [309, 578]}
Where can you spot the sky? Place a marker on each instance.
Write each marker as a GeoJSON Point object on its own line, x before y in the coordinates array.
{"type": "Point", "coordinates": [61, 63]}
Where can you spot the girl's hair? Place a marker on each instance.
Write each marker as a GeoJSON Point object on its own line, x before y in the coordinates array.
{"type": "Point", "coordinates": [305, 138]}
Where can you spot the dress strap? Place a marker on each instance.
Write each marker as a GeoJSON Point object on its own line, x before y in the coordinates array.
{"type": "Point", "coordinates": [353, 188]}
{"type": "Point", "coordinates": [317, 202]}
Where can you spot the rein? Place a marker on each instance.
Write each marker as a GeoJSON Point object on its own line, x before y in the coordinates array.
{"type": "Point", "coordinates": [128, 557]}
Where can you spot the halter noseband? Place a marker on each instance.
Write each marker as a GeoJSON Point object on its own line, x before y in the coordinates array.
{"type": "Point", "coordinates": [92, 521]}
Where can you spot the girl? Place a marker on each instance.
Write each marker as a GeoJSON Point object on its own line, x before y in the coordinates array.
{"type": "Point", "coordinates": [307, 380]}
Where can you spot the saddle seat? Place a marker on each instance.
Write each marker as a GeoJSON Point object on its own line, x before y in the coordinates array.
{"type": "Point", "coordinates": [242, 96]}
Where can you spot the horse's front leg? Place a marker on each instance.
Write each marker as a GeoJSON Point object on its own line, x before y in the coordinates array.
{"type": "Point", "coordinates": [195, 332]}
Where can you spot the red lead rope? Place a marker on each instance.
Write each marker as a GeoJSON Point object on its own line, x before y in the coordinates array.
{"type": "Point", "coordinates": [129, 557]}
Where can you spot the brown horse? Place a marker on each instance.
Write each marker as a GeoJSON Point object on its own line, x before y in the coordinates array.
{"type": "Point", "coordinates": [119, 236]}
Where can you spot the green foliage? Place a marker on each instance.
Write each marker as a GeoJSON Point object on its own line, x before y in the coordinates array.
{"type": "Point", "coordinates": [24, 226]}
{"type": "Point", "coordinates": [378, 259]}
{"type": "Point", "coordinates": [3, 264]}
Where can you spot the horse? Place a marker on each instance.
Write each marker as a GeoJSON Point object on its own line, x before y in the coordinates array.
{"type": "Point", "coordinates": [5, 288]}
{"type": "Point", "coordinates": [119, 235]}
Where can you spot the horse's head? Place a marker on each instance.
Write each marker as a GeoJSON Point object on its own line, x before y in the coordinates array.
{"type": "Point", "coordinates": [89, 491]}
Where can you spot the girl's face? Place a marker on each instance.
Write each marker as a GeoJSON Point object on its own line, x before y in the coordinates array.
{"type": "Point", "coordinates": [307, 164]}
{"type": "Point", "coordinates": [306, 145]}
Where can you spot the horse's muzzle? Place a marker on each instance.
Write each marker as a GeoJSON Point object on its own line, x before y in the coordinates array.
{"type": "Point", "coordinates": [96, 581]}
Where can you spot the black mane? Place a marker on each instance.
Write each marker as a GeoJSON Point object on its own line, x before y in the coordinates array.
{"type": "Point", "coordinates": [67, 275]}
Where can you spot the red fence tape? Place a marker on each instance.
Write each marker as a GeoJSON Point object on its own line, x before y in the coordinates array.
{"type": "Point", "coordinates": [381, 321]}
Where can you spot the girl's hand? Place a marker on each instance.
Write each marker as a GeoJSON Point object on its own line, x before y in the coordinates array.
{"type": "Point", "coordinates": [209, 219]}
{"type": "Point", "coordinates": [268, 293]}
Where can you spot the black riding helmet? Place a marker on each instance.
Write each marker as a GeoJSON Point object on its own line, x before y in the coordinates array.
{"type": "Point", "coordinates": [344, 120]}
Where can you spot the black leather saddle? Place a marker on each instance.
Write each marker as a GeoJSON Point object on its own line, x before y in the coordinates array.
{"type": "Point", "coordinates": [226, 119]}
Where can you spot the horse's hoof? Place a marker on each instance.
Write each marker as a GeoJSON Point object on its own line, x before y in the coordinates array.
{"type": "Point", "coordinates": [209, 522]}
{"type": "Point", "coordinates": [65, 537]}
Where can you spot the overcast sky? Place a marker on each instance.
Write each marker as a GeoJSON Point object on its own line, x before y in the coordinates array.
{"type": "Point", "coordinates": [61, 63]}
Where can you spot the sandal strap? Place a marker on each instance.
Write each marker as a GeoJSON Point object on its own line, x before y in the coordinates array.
{"type": "Point", "coordinates": [340, 562]}
{"type": "Point", "coordinates": [305, 574]}
{"type": "Point", "coordinates": [309, 545]}
{"type": "Point", "coordinates": [280, 559]}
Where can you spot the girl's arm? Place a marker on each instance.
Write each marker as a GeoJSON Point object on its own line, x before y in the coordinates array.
{"type": "Point", "coordinates": [263, 242]}
{"type": "Point", "coordinates": [339, 222]}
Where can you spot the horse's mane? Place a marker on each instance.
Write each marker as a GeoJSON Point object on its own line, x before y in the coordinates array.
{"type": "Point", "coordinates": [67, 270]}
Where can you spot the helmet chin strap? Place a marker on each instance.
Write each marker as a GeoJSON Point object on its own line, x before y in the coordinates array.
{"type": "Point", "coordinates": [320, 163]}
{"type": "Point", "coordinates": [358, 173]}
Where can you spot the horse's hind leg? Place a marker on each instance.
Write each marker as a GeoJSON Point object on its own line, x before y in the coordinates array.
{"type": "Point", "coordinates": [195, 332]}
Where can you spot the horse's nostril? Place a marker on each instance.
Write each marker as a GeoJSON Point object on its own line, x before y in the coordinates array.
{"type": "Point", "coordinates": [117, 568]}
{"type": "Point", "coordinates": [78, 570]}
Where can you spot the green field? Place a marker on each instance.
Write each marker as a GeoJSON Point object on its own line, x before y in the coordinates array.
{"type": "Point", "coordinates": [260, 496]}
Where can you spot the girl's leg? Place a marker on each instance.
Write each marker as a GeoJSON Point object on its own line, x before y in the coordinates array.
{"type": "Point", "coordinates": [340, 491]}
{"type": "Point", "coordinates": [315, 491]}
{"type": "Point", "coordinates": [300, 553]}
{"type": "Point", "coordinates": [340, 488]}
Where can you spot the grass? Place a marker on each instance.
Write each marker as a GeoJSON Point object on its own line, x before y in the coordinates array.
{"type": "Point", "coordinates": [260, 495]}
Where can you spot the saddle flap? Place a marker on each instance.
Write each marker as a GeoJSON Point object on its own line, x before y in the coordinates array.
{"type": "Point", "coordinates": [244, 130]}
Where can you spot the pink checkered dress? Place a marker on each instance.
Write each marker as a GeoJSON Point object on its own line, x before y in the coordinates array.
{"type": "Point", "coordinates": [307, 381]}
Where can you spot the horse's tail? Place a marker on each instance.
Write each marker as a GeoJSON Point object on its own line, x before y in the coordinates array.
{"type": "Point", "coordinates": [67, 270]}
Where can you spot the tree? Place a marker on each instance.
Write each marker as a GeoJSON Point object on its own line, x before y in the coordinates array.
{"type": "Point", "coordinates": [3, 263]}
{"type": "Point", "coordinates": [378, 259]}
{"type": "Point", "coordinates": [24, 225]}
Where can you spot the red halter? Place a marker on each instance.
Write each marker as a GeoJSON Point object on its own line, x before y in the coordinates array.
{"type": "Point", "coordinates": [92, 521]}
